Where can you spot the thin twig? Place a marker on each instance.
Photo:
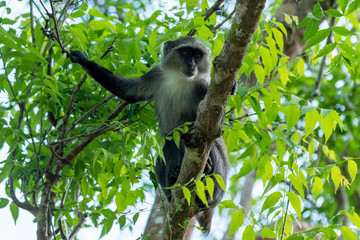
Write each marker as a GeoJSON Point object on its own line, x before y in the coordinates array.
{"type": "Point", "coordinates": [64, 13]}
{"type": "Point", "coordinates": [85, 115]}
{"type": "Point", "coordinates": [61, 230]}
{"type": "Point", "coordinates": [225, 20]}
{"type": "Point", "coordinates": [96, 133]}
{"type": "Point", "coordinates": [286, 213]}
{"type": "Point", "coordinates": [56, 154]}
{"type": "Point", "coordinates": [207, 14]}
{"type": "Point", "coordinates": [24, 205]}
{"type": "Point", "coordinates": [22, 112]}
{"type": "Point", "coordinates": [76, 90]}
{"type": "Point", "coordinates": [71, 106]}
{"type": "Point", "coordinates": [213, 9]}
{"type": "Point", "coordinates": [316, 90]}
{"type": "Point", "coordinates": [32, 24]}
{"type": "Point", "coordinates": [109, 48]}
{"type": "Point", "coordinates": [57, 34]}
{"type": "Point", "coordinates": [82, 217]}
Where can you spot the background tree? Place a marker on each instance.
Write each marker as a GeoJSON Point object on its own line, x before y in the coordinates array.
{"type": "Point", "coordinates": [292, 126]}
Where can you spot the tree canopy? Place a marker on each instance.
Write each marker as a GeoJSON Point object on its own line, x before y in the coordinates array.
{"type": "Point", "coordinates": [80, 157]}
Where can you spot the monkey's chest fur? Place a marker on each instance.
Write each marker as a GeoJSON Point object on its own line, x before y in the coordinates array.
{"type": "Point", "coordinates": [176, 102]}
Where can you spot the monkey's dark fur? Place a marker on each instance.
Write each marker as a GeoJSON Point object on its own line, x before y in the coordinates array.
{"type": "Point", "coordinates": [177, 85]}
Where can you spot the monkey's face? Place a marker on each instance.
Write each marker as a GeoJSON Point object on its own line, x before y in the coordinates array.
{"type": "Point", "coordinates": [186, 58]}
{"type": "Point", "coordinates": [191, 57]}
{"type": "Point", "coordinates": [187, 63]}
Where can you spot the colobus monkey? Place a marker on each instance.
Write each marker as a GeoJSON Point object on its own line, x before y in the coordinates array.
{"type": "Point", "coordinates": [176, 85]}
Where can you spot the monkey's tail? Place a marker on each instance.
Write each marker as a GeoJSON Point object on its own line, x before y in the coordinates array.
{"type": "Point", "coordinates": [204, 219]}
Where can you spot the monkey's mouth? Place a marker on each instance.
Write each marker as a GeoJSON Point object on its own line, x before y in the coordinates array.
{"type": "Point", "coordinates": [190, 73]}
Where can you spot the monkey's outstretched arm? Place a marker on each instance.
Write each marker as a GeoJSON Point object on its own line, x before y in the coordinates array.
{"type": "Point", "coordinates": [130, 89]}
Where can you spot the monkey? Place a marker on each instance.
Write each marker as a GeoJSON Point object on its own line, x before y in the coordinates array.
{"type": "Point", "coordinates": [176, 85]}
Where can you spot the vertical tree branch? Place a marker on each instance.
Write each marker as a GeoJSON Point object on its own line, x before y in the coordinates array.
{"type": "Point", "coordinates": [32, 24]}
{"type": "Point", "coordinates": [208, 122]}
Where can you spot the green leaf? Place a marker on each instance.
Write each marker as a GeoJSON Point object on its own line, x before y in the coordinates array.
{"type": "Point", "coordinates": [122, 221]}
{"type": "Point", "coordinates": [220, 181]}
{"type": "Point", "coordinates": [77, 32]}
{"type": "Point", "coordinates": [9, 43]}
{"type": "Point", "coordinates": [231, 141]}
{"type": "Point", "coordinates": [347, 233]}
{"type": "Point", "coordinates": [190, 5]}
{"type": "Point", "coordinates": [326, 50]}
{"type": "Point", "coordinates": [187, 194]}
{"type": "Point", "coordinates": [204, 32]}
{"type": "Point", "coordinates": [313, 146]}
{"type": "Point", "coordinates": [281, 148]}
{"type": "Point", "coordinates": [176, 138]}
{"type": "Point", "coordinates": [200, 191]}
{"type": "Point", "coordinates": [347, 49]}
{"type": "Point", "coordinates": [334, 62]}
{"type": "Point", "coordinates": [317, 187]}
{"type": "Point", "coordinates": [297, 185]}
{"type": "Point", "coordinates": [311, 118]}
{"type": "Point", "coordinates": [342, 31]}
{"type": "Point", "coordinates": [343, 4]}
{"type": "Point", "coordinates": [284, 74]}
{"type": "Point", "coordinates": [152, 39]}
{"type": "Point", "coordinates": [3, 202]}
{"type": "Point", "coordinates": [228, 204]}
{"type": "Point", "coordinates": [292, 114]}
{"type": "Point", "coordinates": [134, 50]}
{"type": "Point", "coordinates": [135, 217]}
{"type": "Point", "coordinates": [243, 135]}
{"type": "Point", "coordinates": [96, 13]}
{"type": "Point", "coordinates": [101, 24]}
{"type": "Point", "coordinates": [259, 73]}
{"type": "Point", "coordinates": [295, 203]}
{"type": "Point", "coordinates": [336, 176]}
{"type": "Point", "coordinates": [311, 28]}
{"type": "Point", "coordinates": [249, 233]}
{"type": "Point", "coordinates": [120, 201]}
{"type": "Point", "coordinates": [242, 91]}
{"type": "Point", "coordinates": [14, 209]}
{"type": "Point", "coordinates": [328, 124]}
{"type": "Point", "coordinates": [355, 219]}
{"type": "Point", "coordinates": [266, 60]}
{"type": "Point", "coordinates": [78, 13]}
{"type": "Point", "coordinates": [353, 6]}
{"type": "Point", "coordinates": [271, 200]}
{"type": "Point", "coordinates": [352, 169]}
{"type": "Point", "coordinates": [210, 186]}
{"type": "Point", "coordinates": [317, 11]}
{"type": "Point", "coordinates": [317, 38]}
{"type": "Point", "coordinates": [218, 44]}
{"type": "Point", "coordinates": [273, 182]}
{"type": "Point", "coordinates": [279, 38]}
{"type": "Point", "coordinates": [267, 233]}
{"type": "Point", "coordinates": [333, 13]}
{"type": "Point", "coordinates": [108, 223]}
{"type": "Point", "coordinates": [237, 220]}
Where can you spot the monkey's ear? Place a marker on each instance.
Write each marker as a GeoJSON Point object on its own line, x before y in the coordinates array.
{"type": "Point", "coordinates": [168, 46]}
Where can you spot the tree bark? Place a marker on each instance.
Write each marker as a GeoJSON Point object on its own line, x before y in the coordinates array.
{"type": "Point", "coordinates": [208, 123]}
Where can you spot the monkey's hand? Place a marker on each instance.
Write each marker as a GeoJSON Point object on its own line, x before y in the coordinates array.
{"type": "Point", "coordinates": [78, 57]}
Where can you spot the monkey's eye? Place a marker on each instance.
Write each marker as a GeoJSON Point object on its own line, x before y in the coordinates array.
{"type": "Point", "coordinates": [185, 51]}
{"type": "Point", "coordinates": [198, 54]}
